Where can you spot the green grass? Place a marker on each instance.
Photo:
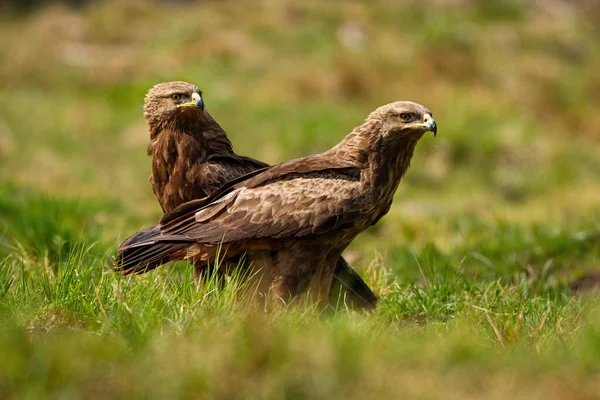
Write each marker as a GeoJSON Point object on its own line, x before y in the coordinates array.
{"type": "Point", "coordinates": [477, 265]}
{"type": "Point", "coordinates": [499, 310]}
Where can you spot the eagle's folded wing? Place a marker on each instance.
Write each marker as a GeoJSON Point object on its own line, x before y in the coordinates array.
{"type": "Point", "coordinates": [304, 197]}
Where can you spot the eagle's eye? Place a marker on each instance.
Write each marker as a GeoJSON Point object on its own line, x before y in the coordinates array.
{"type": "Point", "coordinates": [175, 97]}
{"type": "Point", "coordinates": [405, 117]}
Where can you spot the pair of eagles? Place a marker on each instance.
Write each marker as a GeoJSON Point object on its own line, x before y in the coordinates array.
{"type": "Point", "coordinates": [291, 221]}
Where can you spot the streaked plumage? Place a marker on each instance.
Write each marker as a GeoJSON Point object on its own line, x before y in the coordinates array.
{"type": "Point", "coordinates": [192, 158]}
{"type": "Point", "coordinates": [305, 211]}
{"type": "Point", "coordinates": [191, 154]}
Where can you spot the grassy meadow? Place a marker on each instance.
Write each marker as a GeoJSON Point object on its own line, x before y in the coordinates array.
{"type": "Point", "coordinates": [486, 265]}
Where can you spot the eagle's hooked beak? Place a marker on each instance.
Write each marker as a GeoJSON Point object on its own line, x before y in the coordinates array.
{"type": "Point", "coordinates": [429, 124]}
{"type": "Point", "coordinates": [196, 102]}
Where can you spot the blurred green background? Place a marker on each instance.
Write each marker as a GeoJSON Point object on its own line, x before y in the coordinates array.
{"type": "Point", "coordinates": [497, 221]}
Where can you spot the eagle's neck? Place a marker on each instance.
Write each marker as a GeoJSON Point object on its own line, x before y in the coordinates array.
{"type": "Point", "coordinates": [383, 159]}
{"type": "Point", "coordinates": [172, 147]}
{"type": "Point", "coordinates": [357, 145]}
{"type": "Point", "coordinates": [215, 136]}
{"type": "Point", "coordinates": [194, 138]}
{"type": "Point", "coordinates": [387, 166]}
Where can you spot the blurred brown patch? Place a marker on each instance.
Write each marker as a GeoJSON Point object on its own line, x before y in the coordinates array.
{"type": "Point", "coordinates": [587, 284]}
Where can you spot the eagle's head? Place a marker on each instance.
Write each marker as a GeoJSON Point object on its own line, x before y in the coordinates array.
{"type": "Point", "coordinates": [172, 103]}
{"type": "Point", "coordinates": [404, 119]}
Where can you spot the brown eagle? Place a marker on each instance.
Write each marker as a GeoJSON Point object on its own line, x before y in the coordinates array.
{"type": "Point", "coordinates": [192, 158]}
{"type": "Point", "coordinates": [304, 211]}
{"type": "Point", "coordinates": [191, 154]}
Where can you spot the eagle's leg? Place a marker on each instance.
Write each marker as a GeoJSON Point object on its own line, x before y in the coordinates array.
{"type": "Point", "coordinates": [286, 270]}
{"type": "Point", "coordinates": [321, 282]}
{"type": "Point", "coordinates": [302, 267]}
{"type": "Point", "coordinates": [283, 289]}
{"type": "Point", "coordinates": [259, 267]}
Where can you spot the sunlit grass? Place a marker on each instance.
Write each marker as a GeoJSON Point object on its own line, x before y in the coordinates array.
{"type": "Point", "coordinates": [74, 319]}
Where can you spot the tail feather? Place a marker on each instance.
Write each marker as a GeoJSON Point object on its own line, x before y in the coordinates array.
{"type": "Point", "coordinates": [141, 238]}
{"type": "Point", "coordinates": [147, 250]}
{"type": "Point", "coordinates": [351, 287]}
{"type": "Point", "coordinates": [143, 260]}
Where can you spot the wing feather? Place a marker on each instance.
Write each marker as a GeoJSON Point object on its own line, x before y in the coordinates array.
{"type": "Point", "coordinates": [295, 205]}
{"type": "Point", "coordinates": [310, 164]}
